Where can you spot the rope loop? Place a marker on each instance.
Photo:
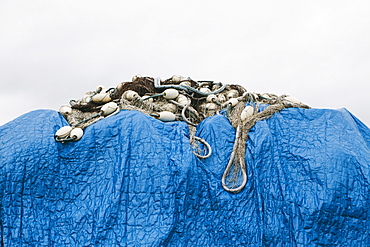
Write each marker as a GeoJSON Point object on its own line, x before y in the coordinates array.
{"type": "Point", "coordinates": [230, 181]}
{"type": "Point", "coordinates": [207, 147]}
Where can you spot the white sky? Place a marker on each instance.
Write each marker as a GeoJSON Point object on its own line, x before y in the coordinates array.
{"type": "Point", "coordinates": [54, 51]}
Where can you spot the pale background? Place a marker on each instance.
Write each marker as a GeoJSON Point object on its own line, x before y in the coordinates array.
{"type": "Point", "coordinates": [54, 51]}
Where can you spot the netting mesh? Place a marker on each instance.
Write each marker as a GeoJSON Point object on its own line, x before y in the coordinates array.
{"type": "Point", "coordinates": [183, 99]}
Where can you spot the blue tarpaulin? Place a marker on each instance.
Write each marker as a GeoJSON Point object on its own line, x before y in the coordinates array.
{"type": "Point", "coordinates": [134, 181]}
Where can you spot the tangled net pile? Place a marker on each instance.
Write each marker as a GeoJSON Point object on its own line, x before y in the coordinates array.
{"type": "Point", "coordinates": [180, 99]}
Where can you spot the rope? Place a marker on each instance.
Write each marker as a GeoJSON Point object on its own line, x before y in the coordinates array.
{"type": "Point", "coordinates": [239, 148]}
{"type": "Point", "coordinates": [183, 114]}
{"type": "Point", "coordinates": [240, 162]}
{"type": "Point", "coordinates": [208, 147]}
{"type": "Point", "coordinates": [186, 88]}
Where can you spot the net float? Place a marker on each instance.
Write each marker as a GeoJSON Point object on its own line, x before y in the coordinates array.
{"type": "Point", "coordinates": [232, 101]}
{"type": "Point", "coordinates": [166, 116]}
{"type": "Point", "coordinates": [210, 106]}
{"type": "Point", "coordinates": [205, 90]}
{"type": "Point", "coordinates": [130, 95]}
{"type": "Point", "coordinates": [86, 98]}
{"type": "Point", "coordinates": [182, 99]}
{"type": "Point", "coordinates": [109, 108]}
{"type": "Point", "coordinates": [120, 85]}
{"type": "Point", "coordinates": [247, 112]}
{"type": "Point", "coordinates": [170, 93]}
{"type": "Point", "coordinates": [185, 83]}
{"type": "Point", "coordinates": [211, 98]}
{"type": "Point", "coordinates": [221, 98]}
{"type": "Point", "coordinates": [167, 94]}
{"type": "Point", "coordinates": [76, 134]}
{"type": "Point", "coordinates": [63, 132]}
{"type": "Point", "coordinates": [101, 98]}
{"type": "Point", "coordinates": [65, 110]}
{"type": "Point", "coordinates": [177, 78]}
{"type": "Point", "coordinates": [232, 94]}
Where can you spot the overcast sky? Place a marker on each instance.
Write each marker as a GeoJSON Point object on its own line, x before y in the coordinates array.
{"type": "Point", "coordinates": [54, 51]}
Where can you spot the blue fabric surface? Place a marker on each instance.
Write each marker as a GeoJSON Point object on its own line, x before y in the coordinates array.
{"type": "Point", "coordinates": [133, 181]}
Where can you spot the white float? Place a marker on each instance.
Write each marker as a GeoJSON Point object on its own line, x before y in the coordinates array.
{"type": "Point", "coordinates": [247, 113]}
{"type": "Point", "coordinates": [185, 83]}
{"type": "Point", "coordinates": [232, 101]}
{"type": "Point", "coordinates": [130, 95]}
{"type": "Point", "coordinates": [177, 78]}
{"type": "Point", "coordinates": [210, 106]}
{"type": "Point", "coordinates": [166, 116]}
{"type": "Point", "coordinates": [170, 93]}
{"type": "Point", "coordinates": [182, 99]}
{"type": "Point", "coordinates": [205, 90]}
{"type": "Point", "coordinates": [76, 133]}
{"type": "Point", "coordinates": [63, 132]}
{"type": "Point", "coordinates": [101, 98]}
{"type": "Point", "coordinates": [211, 98]}
{"type": "Point", "coordinates": [65, 110]}
{"type": "Point", "coordinates": [109, 108]}
{"type": "Point", "coordinates": [232, 94]}
{"type": "Point", "coordinates": [221, 98]}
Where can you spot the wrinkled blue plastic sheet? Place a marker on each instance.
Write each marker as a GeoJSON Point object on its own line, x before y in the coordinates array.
{"type": "Point", "coordinates": [133, 181]}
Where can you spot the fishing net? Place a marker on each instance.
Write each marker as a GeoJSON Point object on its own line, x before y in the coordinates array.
{"type": "Point", "coordinates": [182, 99]}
